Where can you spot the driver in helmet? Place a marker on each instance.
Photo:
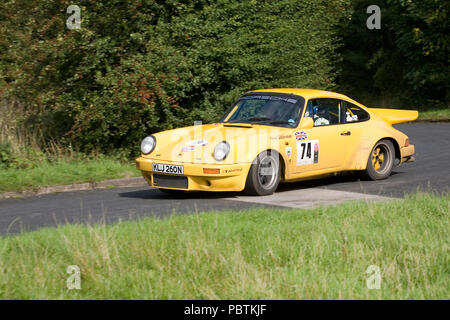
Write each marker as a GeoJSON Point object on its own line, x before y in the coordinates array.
{"type": "Point", "coordinates": [319, 115]}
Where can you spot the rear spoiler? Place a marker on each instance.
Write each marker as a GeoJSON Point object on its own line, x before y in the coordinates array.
{"type": "Point", "coordinates": [393, 116]}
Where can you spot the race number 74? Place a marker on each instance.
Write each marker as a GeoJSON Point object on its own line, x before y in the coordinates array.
{"type": "Point", "coordinates": [307, 152]}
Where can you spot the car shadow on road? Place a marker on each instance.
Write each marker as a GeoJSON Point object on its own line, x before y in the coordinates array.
{"type": "Point", "coordinates": [153, 193]}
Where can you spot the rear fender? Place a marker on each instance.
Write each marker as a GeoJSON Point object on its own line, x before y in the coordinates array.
{"type": "Point", "coordinates": [362, 155]}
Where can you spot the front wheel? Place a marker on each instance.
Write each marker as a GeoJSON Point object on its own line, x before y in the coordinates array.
{"type": "Point", "coordinates": [381, 160]}
{"type": "Point", "coordinates": [264, 174]}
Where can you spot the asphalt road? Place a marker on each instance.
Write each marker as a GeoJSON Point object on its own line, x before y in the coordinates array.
{"type": "Point", "coordinates": [429, 173]}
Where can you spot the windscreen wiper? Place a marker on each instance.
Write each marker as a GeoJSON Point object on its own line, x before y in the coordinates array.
{"type": "Point", "coordinates": [259, 119]}
{"type": "Point", "coordinates": [252, 119]}
{"type": "Point", "coordinates": [280, 122]}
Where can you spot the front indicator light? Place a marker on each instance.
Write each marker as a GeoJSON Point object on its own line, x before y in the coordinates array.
{"type": "Point", "coordinates": [211, 171]}
{"type": "Point", "coordinates": [407, 142]}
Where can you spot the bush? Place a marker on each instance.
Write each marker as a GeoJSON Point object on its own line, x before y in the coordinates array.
{"type": "Point", "coordinates": [141, 66]}
{"type": "Point", "coordinates": [29, 158]}
{"type": "Point", "coordinates": [405, 63]}
{"type": "Point", "coordinates": [5, 154]}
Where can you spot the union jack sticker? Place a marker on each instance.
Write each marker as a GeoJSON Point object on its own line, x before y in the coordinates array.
{"type": "Point", "coordinates": [300, 135]}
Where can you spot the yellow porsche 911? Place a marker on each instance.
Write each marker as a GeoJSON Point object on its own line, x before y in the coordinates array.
{"type": "Point", "coordinates": [277, 135]}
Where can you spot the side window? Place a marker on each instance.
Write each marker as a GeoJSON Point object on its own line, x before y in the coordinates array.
{"type": "Point", "coordinates": [324, 112]}
{"type": "Point", "coordinates": [354, 113]}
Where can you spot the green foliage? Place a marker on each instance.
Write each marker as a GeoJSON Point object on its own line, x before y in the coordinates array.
{"type": "Point", "coordinates": [141, 66]}
{"type": "Point", "coordinates": [28, 159]}
{"type": "Point", "coordinates": [5, 154]}
{"type": "Point", "coordinates": [403, 63]}
{"type": "Point", "coordinates": [137, 67]}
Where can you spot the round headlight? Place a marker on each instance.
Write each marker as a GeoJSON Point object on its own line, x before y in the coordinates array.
{"type": "Point", "coordinates": [148, 144]}
{"type": "Point", "coordinates": [221, 151]}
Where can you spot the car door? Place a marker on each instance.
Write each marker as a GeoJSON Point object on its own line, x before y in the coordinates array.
{"type": "Point", "coordinates": [354, 124]}
{"type": "Point", "coordinates": [325, 146]}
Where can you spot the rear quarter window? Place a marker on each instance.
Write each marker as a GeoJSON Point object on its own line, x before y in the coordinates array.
{"type": "Point", "coordinates": [353, 113]}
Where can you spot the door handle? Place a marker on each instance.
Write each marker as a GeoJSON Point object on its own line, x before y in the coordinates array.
{"type": "Point", "coordinates": [346, 133]}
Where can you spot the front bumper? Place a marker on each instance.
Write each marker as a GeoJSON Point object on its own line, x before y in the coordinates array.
{"type": "Point", "coordinates": [231, 177]}
{"type": "Point", "coordinates": [407, 154]}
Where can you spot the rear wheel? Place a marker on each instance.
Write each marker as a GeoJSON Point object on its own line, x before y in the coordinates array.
{"type": "Point", "coordinates": [264, 174]}
{"type": "Point", "coordinates": [381, 160]}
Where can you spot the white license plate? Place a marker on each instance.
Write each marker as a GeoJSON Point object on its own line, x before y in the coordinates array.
{"type": "Point", "coordinates": [168, 168]}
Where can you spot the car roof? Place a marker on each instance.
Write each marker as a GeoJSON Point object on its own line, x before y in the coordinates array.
{"type": "Point", "coordinates": [306, 93]}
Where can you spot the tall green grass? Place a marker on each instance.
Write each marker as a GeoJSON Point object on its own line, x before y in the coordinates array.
{"type": "Point", "coordinates": [253, 254]}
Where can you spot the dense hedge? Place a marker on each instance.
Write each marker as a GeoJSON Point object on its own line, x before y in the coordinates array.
{"type": "Point", "coordinates": [406, 62]}
{"type": "Point", "coordinates": [136, 67]}
{"type": "Point", "coordinates": [141, 66]}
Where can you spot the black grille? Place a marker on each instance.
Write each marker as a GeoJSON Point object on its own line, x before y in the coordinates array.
{"type": "Point", "coordinates": [162, 180]}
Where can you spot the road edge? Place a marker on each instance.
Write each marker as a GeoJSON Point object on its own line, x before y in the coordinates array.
{"type": "Point", "coordinates": [112, 183]}
{"type": "Point", "coordinates": [444, 120]}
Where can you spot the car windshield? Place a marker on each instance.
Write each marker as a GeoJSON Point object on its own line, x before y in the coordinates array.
{"type": "Point", "coordinates": [267, 109]}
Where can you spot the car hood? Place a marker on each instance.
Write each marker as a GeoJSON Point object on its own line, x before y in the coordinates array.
{"type": "Point", "coordinates": [196, 144]}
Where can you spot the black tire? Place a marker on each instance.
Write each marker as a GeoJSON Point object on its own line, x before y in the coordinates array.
{"type": "Point", "coordinates": [264, 174]}
{"type": "Point", "coordinates": [381, 161]}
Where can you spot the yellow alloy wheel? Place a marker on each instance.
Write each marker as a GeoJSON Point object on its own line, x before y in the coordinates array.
{"type": "Point", "coordinates": [381, 160]}
{"type": "Point", "coordinates": [377, 158]}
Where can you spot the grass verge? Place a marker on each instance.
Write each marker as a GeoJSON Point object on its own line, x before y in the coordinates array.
{"type": "Point", "coordinates": [64, 172]}
{"type": "Point", "coordinates": [435, 115]}
{"type": "Point", "coordinates": [254, 254]}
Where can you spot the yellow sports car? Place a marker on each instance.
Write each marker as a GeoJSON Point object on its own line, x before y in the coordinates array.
{"type": "Point", "coordinates": [276, 135]}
